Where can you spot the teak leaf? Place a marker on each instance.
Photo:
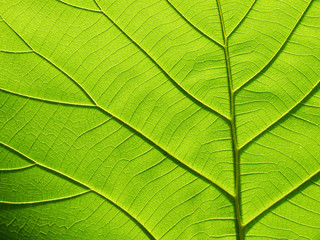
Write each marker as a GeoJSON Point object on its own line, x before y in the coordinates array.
{"type": "Point", "coordinates": [160, 119]}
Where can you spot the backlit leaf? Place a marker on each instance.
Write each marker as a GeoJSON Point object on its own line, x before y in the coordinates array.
{"type": "Point", "coordinates": [159, 119]}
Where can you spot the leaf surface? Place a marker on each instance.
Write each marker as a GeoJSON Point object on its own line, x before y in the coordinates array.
{"type": "Point", "coordinates": [157, 119]}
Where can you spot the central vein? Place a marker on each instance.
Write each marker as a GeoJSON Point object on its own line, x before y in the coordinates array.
{"type": "Point", "coordinates": [235, 146]}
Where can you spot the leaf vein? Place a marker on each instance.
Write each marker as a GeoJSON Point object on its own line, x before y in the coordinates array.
{"type": "Point", "coordinates": [133, 129]}
{"type": "Point", "coordinates": [269, 63]}
{"type": "Point", "coordinates": [141, 225]}
{"type": "Point", "coordinates": [177, 84]}
{"type": "Point", "coordinates": [283, 197]}
{"type": "Point", "coordinates": [294, 107]}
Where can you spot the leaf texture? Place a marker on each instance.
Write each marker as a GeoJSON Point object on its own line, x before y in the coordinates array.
{"type": "Point", "coordinates": [159, 119]}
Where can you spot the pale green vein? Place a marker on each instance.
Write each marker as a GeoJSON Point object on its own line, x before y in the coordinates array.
{"type": "Point", "coordinates": [235, 148]}
{"type": "Point", "coordinates": [282, 116]}
{"type": "Point", "coordinates": [282, 197]}
{"type": "Point", "coordinates": [167, 74]}
{"type": "Point", "coordinates": [296, 222]}
{"type": "Point", "coordinates": [177, 84]}
{"type": "Point", "coordinates": [17, 168]}
{"type": "Point", "coordinates": [269, 237]}
{"type": "Point", "coordinates": [135, 130]}
{"type": "Point", "coordinates": [47, 200]}
{"type": "Point", "coordinates": [277, 52]}
{"type": "Point", "coordinates": [47, 100]}
{"type": "Point", "coordinates": [243, 18]}
{"type": "Point", "coordinates": [303, 207]}
{"type": "Point", "coordinates": [140, 224]}
{"type": "Point", "coordinates": [82, 8]}
{"type": "Point", "coordinates": [230, 120]}
{"type": "Point", "coordinates": [192, 25]}
{"type": "Point", "coordinates": [15, 52]}
{"type": "Point", "coordinates": [168, 153]}
{"type": "Point", "coordinates": [49, 61]}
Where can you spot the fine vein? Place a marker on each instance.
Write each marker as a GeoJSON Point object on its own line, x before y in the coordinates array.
{"type": "Point", "coordinates": [166, 73]}
{"type": "Point", "coordinates": [196, 28]}
{"type": "Point", "coordinates": [281, 198]}
{"type": "Point", "coordinates": [295, 106]}
{"type": "Point", "coordinates": [231, 120]}
{"type": "Point", "coordinates": [277, 52]}
{"type": "Point", "coordinates": [135, 130]}
{"type": "Point", "coordinates": [88, 187]}
{"type": "Point", "coordinates": [242, 19]}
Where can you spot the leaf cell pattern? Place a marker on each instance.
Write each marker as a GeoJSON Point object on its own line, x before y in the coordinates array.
{"type": "Point", "coordinates": [159, 119]}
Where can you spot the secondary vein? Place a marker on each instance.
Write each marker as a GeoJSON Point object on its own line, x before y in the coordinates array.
{"type": "Point", "coordinates": [47, 200]}
{"type": "Point", "coordinates": [281, 198]}
{"type": "Point", "coordinates": [193, 26]}
{"type": "Point", "coordinates": [166, 73]}
{"type": "Point", "coordinates": [293, 108]}
{"type": "Point", "coordinates": [117, 118]}
{"type": "Point", "coordinates": [277, 52]}
{"type": "Point", "coordinates": [140, 224]}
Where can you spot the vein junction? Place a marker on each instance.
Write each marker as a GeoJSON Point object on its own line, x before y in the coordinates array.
{"type": "Point", "coordinates": [231, 120]}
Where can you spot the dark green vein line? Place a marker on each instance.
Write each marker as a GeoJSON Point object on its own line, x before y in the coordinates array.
{"type": "Point", "coordinates": [241, 21]}
{"type": "Point", "coordinates": [281, 198]}
{"type": "Point", "coordinates": [272, 59]}
{"type": "Point", "coordinates": [294, 107]}
{"type": "Point", "coordinates": [142, 227]}
{"type": "Point", "coordinates": [47, 200]}
{"type": "Point", "coordinates": [233, 132]}
{"type": "Point", "coordinates": [130, 127]}
{"type": "Point", "coordinates": [193, 26]}
{"type": "Point", "coordinates": [47, 100]}
{"type": "Point", "coordinates": [178, 85]}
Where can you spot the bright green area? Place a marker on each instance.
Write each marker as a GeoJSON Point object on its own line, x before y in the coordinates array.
{"type": "Point", "coordinates": [170, 119]}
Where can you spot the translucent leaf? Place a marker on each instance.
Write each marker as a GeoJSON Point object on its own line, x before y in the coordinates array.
{"type": "Point", "coordinates": [148, 119]}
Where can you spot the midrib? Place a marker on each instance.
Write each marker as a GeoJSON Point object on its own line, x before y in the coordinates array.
{"type": "Point", "coordinates": [235, 147]}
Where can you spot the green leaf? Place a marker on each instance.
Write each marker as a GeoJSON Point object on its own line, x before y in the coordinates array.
{"type": "Point", "coordinates": [159, 119]}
